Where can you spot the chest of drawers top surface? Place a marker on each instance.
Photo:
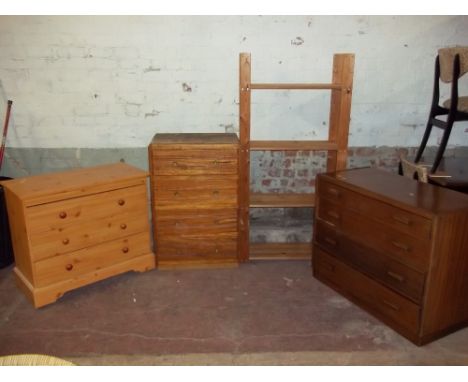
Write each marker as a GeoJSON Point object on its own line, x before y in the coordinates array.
{"type": "Point", "coordinates": [192, 140]}
{"type": "Point", "coordinates": [417, 197]}
{"type": "Point", "coordinates": [73, 183]}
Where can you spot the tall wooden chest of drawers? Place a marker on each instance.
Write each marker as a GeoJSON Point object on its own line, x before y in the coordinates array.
{"type": "Point", "coordinates": [76, 227]}
{"type": "Point", "coordinates": [194, 188]}
{"type": "Point", "coordinates": [396, 247]}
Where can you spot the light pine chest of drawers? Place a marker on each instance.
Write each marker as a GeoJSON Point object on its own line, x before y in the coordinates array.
{"type": "Point", "coordinates": [76, 227]}
{"type": "Point", "coordinates": [194, 193]}
{"type": "Point", "coordinates": [396, 247]}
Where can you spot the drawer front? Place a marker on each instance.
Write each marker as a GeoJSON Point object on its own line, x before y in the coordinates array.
{"type": "Point", "coordinates": [189, 199]}
{"type": "Point", "coordinates": [76, 236]}
{"type": "Point", "coordinates": [221, 246]}
{"type": "Point", "coordinates": [64, 267]}
{"type": "Point", "coordinates": [194, 162]}
{"type": "Point", "coordinates": [56, 216]}
{"type": "Point", "coordinates": [371, 295]}
{"type": "Point", "coordinates": [198, 183]}
{"type": "Point", "coordinates": [378, 266]}
{"type": "Point", "coordinates": [199, 222]}
{"type": "Point", "coordinates": [396, 218]}
{"type": "Point", "coordinates": [361, 229]}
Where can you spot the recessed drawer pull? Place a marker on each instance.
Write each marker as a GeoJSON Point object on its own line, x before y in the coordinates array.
{"type": "Point", "coordinates": [333, 191]}
{"type": "Point", "coordinates": [69, 267]}
{"type": "Point", "coordinates": [121, 202]}
{"type": "Point", "coordinates": [333, 214]}
{"type": "Point", "coordinates": [62, 215]}
{"type": "Point", "coordinates": [390, 305]}
{"type": "Point", "coordinates": [396, 276]}
{"type": "Point", "coordinates": [330, 241]}
{"type": "Point", "coordinates": [401, 219]}
{"type": "Point", "coordinates": [328, 266]}
{"type": "Point", "coordinates": [402, 246]}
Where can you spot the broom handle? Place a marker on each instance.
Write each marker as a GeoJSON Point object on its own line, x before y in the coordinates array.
{"type": "Point", "coordinates": [5, 130]}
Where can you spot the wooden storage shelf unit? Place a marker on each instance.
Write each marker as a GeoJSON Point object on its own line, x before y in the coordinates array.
{"type": "Point", "coordinates": [396, 247]}
{"type": "Point", "coordinates": [194, 189]}
{"type": "Point", "coordinates": [336, 145]}
{"type": "Point", "coordinates": [76, 227]}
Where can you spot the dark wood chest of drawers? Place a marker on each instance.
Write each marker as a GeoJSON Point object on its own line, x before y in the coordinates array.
{"type": "Point", "coordinates": [396, 247]}
{"type": "Point", "coordinates": [194, 188]}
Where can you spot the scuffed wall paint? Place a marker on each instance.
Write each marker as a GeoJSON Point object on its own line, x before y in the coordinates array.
{"type": "Point", "coordinates": [113, 82]}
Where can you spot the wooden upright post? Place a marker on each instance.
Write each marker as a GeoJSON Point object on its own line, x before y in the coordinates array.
{"type": "Point", "coordinates": [244, 155]}
{"type": "Point", "coordinates": [340, 110]}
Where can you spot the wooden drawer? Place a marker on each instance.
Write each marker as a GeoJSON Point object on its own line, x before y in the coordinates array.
{"type": "Point", "coordinates": [382, 268]}
{"type": "Point", "coordinates": [204, 222]}
{"type": "Point", "coordinates": [200, 183]}
{"type": "Point", "coordinates": [197, 246]}
{"type": "Point", "coordinates": [56, 216]}
{"type": "Point", "coordinates": [401, 220]}
{"type": "Point", "coordinates": [194, 162]}
{"type": "Point", "coordinates": [76, 236]}
{"type": "Point", "coordinates": [377, 299]}
{"type": "Point", "coordinates": [190, 199]}
{"type": "Point", "coordinates": [68, 266]}
{"type": "Point", "coordinates": [405, 248]}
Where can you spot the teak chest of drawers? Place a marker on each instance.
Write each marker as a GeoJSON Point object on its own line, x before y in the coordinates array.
{"type": "Point", "coordinates": [194, 187]}
{"type": "Point", "coordinates": [396, 247]}
{"type": "Point", "coordinates": [76, 227]}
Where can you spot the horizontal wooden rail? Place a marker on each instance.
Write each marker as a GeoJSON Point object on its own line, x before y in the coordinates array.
{"type": "Point", "coordinates": [293, 145]}
{"type": "Point", "coordinates": [286, 200]}
{"type": "Point", "coordinates": [280, 251]}
{"type": "Point", "coordinates": [284, 86]}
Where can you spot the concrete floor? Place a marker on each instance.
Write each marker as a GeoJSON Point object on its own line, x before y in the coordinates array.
{"type": "Point", "coordinates": [261, 313]}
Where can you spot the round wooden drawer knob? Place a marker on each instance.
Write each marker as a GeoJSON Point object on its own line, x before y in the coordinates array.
{"type": "Point", "coordinates": [125, 249]}
{"type": "Point", "coordinates": [69, 267]}
{"type": "Point", "coordinates": [65, 241]}
{"type": "Point", "coordinates": [62, 215]}
{"type": "Point", "coordinates": [123, 226]}
{"type": "Point", "coordinates": [121, 202]}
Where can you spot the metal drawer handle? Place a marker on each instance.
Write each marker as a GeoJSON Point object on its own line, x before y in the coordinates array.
{"type": "Point", "coordinates": [125, 249]}
{"type": "Point", "coordinates": [121, 202]}
{"type": "Point", "coordinates": [401, 219]}
{"type": "Point", "coordinates": [123, 226]}
{"type": "Point", "coordinates": [396, 276]}
{"type": "Point", "coordinates": [402, 246]}
{"type": "Point", "coordinates": [390, 305]}
{"type": "Point", "coordinates": [69, 267]}
{"type": "Point", "coordinates": [62, 215]}
{"type": "Point", "coordinates": [330, 241]}
{"type": "Point", "coordinates": [65, 241]}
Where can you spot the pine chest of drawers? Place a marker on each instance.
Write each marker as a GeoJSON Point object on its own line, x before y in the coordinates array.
{"type": "Point", "coordinates": [396, 247]}
{"type": "Point", "coordinates": [76, 227]}
{"type": "Point", "coordinates": [194, 186]}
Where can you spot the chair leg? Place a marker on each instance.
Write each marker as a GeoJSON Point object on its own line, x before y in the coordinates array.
{"type": "Point", "coordinates": [433, 112]}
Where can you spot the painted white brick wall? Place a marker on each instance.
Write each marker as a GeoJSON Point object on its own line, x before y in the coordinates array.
{"type": "Point", "coordinates": [115, 81]}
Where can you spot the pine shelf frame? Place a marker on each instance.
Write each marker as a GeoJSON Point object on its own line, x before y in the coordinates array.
{"type": "Point", "coordinates": [336, 146]}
